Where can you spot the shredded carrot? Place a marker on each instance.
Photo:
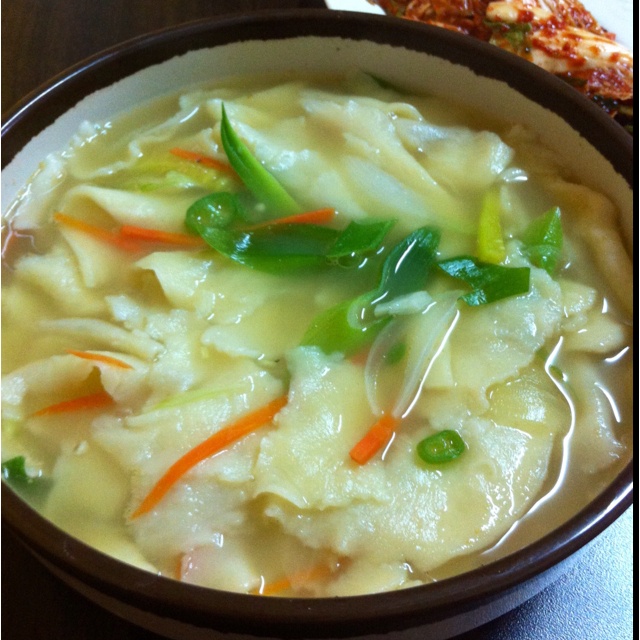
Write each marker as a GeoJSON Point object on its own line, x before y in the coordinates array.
{"type": "Point", "coordinates": [300, 578]}
{"type": "Point", "coordinates": [375, 439]}
{"type": "Point", "coordinates": [202, 159]}
{"type": "Point", "coordinates": [318, 216]}
{"type": "Point", "coordinates": [96, 232]}
{"type": "Point", "coordinates": [207, 448]}
{"type": "Point", "coordinates": [164, 237]}
{"type": "Point", "coordinates": [93, 401]}
{"type": "Point", "coordinates": [98, 357]}
{"type": "Point", "coordinates": [178, 567]}
{"type": "Point", "coordinates": [128, 237]}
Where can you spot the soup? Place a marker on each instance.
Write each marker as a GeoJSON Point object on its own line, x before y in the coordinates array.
{"type": "Point", "coordinates": [311, 337]}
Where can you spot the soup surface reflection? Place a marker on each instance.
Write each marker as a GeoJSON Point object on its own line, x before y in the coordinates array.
{"type": "Point", "coordinates": [311, 337]}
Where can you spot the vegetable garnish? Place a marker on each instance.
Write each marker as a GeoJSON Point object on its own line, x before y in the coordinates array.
{"type": "Point", "coordinates": [351, 325]}
{"type": "Point", "coordinates": [212, 445]}
{"type": "Point", "coordinates": [490, 282]}
{"type": "Point", "coordinates": [408, 267]}
{"type": "Point", "coordinates": [290, 239]}
{"type": "Point", "coordinates": [359, 238]}
{"type": "Point", "coordinates": [161, 237]}
{"type": "Point", "coordinates": [98, 357]}
{"type": "Point", "coordinates": [129, 237]}
{"type": "Point", "coordinates": [32, 487]}
{"type": "Point", "coordinates": [490, 241]}
{"type": "Point", "coordinates": [335, 329]}
{"type": "Point", "coordinates": [319, 216]}
{"type": "Point", "coordinates": [216, 210]}
{"type": "Point", "coordinates": [421, 337]}
{"type": "Point", "coordinates": [280, 247]}
{"type": "Point", "coordinates": [441, 447]}
{"type": "Point", "coordinates": [256, 178]}
{"type": "Point", "coordinates": [92, 401]}
{"type": "Point", "coordinates": [15, 470]}
{"type": "Point", "coordinates": [202, 159]}
{"type": "Point", "coordinates": [166, 171]}
{"type": "Point", "coordinates": [319, 572]}
{"type": "Point", "coordinates": [378, 436]}
{"type": "Point", "coordinates": [543, 240]}
{"type": "Point", "coordinates": [99, 233]}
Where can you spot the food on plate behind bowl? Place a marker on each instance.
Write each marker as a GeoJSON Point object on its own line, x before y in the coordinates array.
{"type": "Point", "coordinates": [561, 37]}
{"type": "Point", "coordinates": [311, 336]}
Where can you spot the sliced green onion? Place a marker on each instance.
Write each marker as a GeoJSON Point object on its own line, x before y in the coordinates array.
{"type": "Point", "coordinates": [441, 447]}
{"type": "Point", "coordinates": [490, 282]}
{"type": "Point", "coordinates": [34, 489]}
{"type": "Point", "coordinates": [407, 268]}
{"type": "Point", "coordinates": [337, 328]}
{"type": "Point", "coordinates": [283, 248]}
{"type": "Point", "coordinates": [14, 470]}
{"type": "Point", "coordinates": [351, 325]}
{"type": "Point", "coordinates": [543, 240]}
{"type": "Point", "coordinates": [490, 239]}
{"type": "Point", "coordinates": [262, 184]}
{"type": "Point", "coordinates": [359, 238]}
{"type": "Point", "coordinates": [216, 210]}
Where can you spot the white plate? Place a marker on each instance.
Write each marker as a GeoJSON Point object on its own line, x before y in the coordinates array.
{"type": "Point", "coordinates": [614, 15]}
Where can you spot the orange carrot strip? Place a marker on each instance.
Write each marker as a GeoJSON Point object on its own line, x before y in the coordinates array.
{"type": "Point", "coordinates": [207, 448]}
{"type": "Point", "coordinates": [165, 237]}
{"type": "Point", "coordinates": [301, 577]}
{"type": "Point", "coordinates": [178, 567]}
{"type": "Point", "coordinates": [318, 216]}
{"type": "Point", "coordinates": [98, 357]}
{"type": "Point", "coordinates": [96, 232]}
{"type": "Point", "coordinates": [273, 587]}
{"type": "Point", "coordinates": [93, 401]}
{"type": "Point", "coordinates": [376, 438]}
{"type": "Point", "coordinates": [199, 158]}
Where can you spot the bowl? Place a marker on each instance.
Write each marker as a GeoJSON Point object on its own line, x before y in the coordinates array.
{"type": "Point", "coordinates": [413, 56]}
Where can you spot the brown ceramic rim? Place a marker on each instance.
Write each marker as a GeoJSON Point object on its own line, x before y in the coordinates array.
{"type": "Point", "coordinates": [337, 617]}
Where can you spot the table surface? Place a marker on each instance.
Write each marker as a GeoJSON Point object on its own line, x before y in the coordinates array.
{"type": "Point", "coordinates": [41, 38]}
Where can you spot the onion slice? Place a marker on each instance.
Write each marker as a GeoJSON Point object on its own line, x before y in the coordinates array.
{"type": "Point", "coordinates": [394, 386]}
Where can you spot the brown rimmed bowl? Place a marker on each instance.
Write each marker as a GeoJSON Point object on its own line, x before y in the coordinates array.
{"type": "Point", "coordinates": [420, 58]}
